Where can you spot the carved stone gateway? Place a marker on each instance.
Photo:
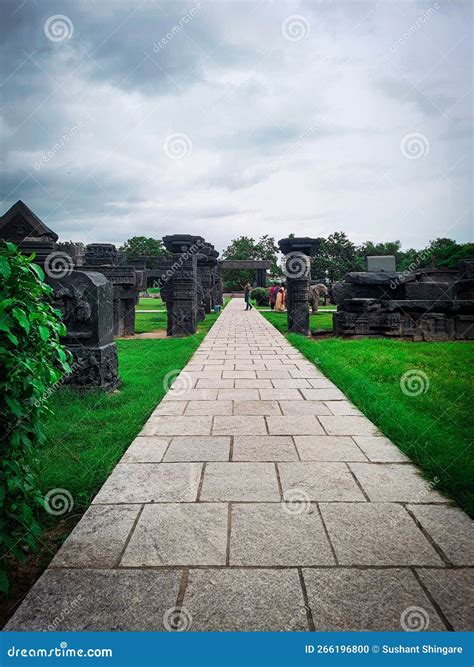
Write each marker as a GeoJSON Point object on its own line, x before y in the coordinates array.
{"type": "Point", "coordinates": [180, 283]}
{"type": "Point", "coordinates": [85, 300]}
{"type": "Point", "coordinates": [430, 304]}
{"type": "Point", "coordinates": [104, 258]}
{"type": "Point", "coordinates": [297, 271]}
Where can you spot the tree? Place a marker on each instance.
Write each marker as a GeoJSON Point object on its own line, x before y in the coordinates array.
{"type": "Point", "coordinates": [335, 257]}
{"type": "Point", "coordinates": [244, 248]}
{"type": "Point", "coordinates": [138, 246]}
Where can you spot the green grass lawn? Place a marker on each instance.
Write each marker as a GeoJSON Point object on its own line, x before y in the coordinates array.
{"type": "Point", "coordinates": [434, 428]}
{"type": "Point", "coordinates": [146, 322]}
{"type": "Point", "coordinates": [320, 321]}
{"type": "Point", "coordinates": [148, 303]}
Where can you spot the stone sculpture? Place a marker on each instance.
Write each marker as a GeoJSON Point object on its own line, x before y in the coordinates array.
{"type": "Point", "coordinates": [315, 292]}
{"type": "Point", "coordinates": [428, 304]}
{"type": "Point", "coordinates": [297, 270]}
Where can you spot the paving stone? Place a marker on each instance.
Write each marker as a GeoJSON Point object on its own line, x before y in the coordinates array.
{"type": "Point", "coordinates": [294, 425]}
{"type": "Point", "coordinates": [395, 482]}
{"type": "Point", "coordinates": [273, 534]}
{"type": "Point", "coordinates": [179, 534]}
{"type": "Point", "coordinates": [325, 394]}
{"type": "Point", "coordinates": [264, 448]}
{"type": "Point", "coordinates": [376, 534]}
{"type": "Point", "coordinates": [240, 481]}
{"type": "Point", "coordinates": [452, 590]}
{"type": "Point", "coordinates": [215, 383]}
{"type": "Point", "coordinates": [372, 599]}
{"type": "Point", "coordinates": [186, 425]}
{"type": "Point", "coordinates": [238, 394]}
{"type": "Point", "coordinates": [328, 448]}
{"type": "Point", "coordinates": [241, 375]}
{"type": "Point", "coordinates": [319, 481]}
{"type": "Point", "coordinates": [192, 395]}
{"type": "Point", "coordinates": [245, 600]}
{"type": "Point", "coordinates": [146, 449]}
{"type": "Point", "coordinates": [239, 425]}
{"type": "Point", "coordinates": [208, 408]}
{"type": "Point", "coordinates": [347, 425]}
{"type": "Point", "coordinates": [257, 408]}
{"type": "Point", "coordinates": [151, 482]}
{"type": "Point", "coordinates": [169, 408]}
{"type": "Point", "coordinates": [98, 600]}
{"type": "Point", "coordinates": [450, 528]}
{"type": "Point", "coordinates": [273, 374]}
{"type": "Point", "coordinates": [253, 384]}
{"type": "Point", "coordinates": [305, 373]}
{"type": "Point", "coordinates": [321, 383]}
{"type": "Point", "coordinates": [198, 448]}
{"type": "Point", "coordinates": [99, 537]}
{"type": "Point", "coordinates": [304, 408]}
{"type": "Point", "coordinates": [280, 394]}
{"type": "Point", "coordinates": [380, 449]}
{"type": "Point", "coordinates": [292, 383]}
{"type": "Point", "coordinates": [343, 408]}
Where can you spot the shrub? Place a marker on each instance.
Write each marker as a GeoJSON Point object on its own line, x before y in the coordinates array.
{"type": "Point", "coordinates": [261, 295]}
{"type": "Point", "coordinates": [32, 361]}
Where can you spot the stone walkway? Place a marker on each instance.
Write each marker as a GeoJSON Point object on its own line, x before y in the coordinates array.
{"type": "Point", "coordinates": [258, 498]}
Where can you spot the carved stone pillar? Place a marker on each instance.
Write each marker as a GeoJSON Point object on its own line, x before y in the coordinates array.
{"type": "Point", "coordinates": [182, 283]}
{"type": "Point", "coordinates": [297, 271]}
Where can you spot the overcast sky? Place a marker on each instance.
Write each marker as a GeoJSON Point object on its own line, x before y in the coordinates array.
{"type": "Point", "coordinates": [129, 117]}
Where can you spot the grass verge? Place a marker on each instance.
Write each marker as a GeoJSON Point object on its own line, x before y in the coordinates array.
{"type": "Point", "coordinates": [434, 428]}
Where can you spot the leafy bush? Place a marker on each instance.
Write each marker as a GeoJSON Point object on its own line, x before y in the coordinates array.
{"type": "Point", "coordinates": [32, 362]}
{"type": "Point", "coordinates": [261, 296]}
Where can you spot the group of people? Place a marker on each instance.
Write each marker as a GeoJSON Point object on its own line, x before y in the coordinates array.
{"type": "Point", "coordinates": [277, 297]}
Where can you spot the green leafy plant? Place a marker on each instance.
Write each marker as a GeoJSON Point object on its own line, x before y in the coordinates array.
{"type": "Point", "coordinates": [32, 363]}
{"type": "Point", "coordinates": [261, 295]}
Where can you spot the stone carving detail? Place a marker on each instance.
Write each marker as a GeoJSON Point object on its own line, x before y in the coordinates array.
{"type": "Point", "coordinates": [125, 278]}
{"type": "Point", "coordinates": [179, 283]}
{"type": "Point", "coordinates": [297, 271]}
{"type": "Point", "coordinates": [430, 304]}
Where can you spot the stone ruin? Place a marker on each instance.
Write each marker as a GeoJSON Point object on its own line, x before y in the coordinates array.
{"type": "Point", "coordinates": [298, 252]}
{"type": "Point", "coordinates": [84, 299]}
{"type": "Point", "coordinates": [422, 305]}
{"type": "Point", "coordinates": [127, 277]}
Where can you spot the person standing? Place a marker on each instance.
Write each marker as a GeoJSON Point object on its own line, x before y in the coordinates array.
{"type": "Point", "coordinates": [247, 290]}
{"type": "Point", "coordinates": [280, 300]}
{"type": "Point", "coordinates": [273, 293]}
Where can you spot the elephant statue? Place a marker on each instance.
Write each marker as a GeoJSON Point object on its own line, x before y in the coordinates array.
{"type": "Point", "coordinates": [315, 292]}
